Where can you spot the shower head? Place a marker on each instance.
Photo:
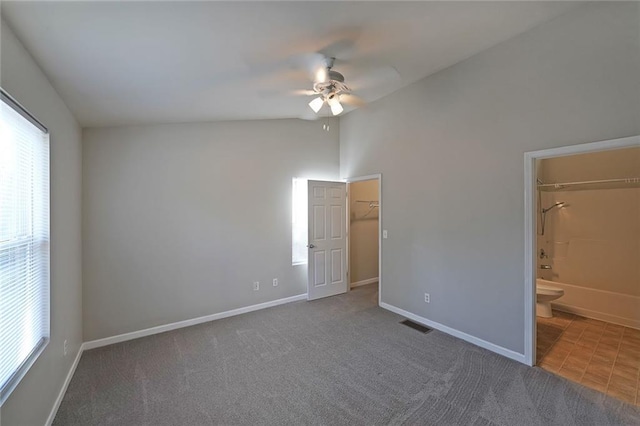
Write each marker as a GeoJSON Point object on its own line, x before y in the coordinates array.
{"type": "Point", "coordinates": [558, 204]}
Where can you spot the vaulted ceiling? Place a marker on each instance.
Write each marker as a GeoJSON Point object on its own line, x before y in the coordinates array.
{"type": "Point", "coordinates": [118, 63]}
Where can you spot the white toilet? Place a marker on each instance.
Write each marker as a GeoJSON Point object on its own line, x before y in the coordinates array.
{"type": "Point", "coordinates": [545, 293]}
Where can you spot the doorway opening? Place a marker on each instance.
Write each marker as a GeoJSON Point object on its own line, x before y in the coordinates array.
{"type": "Point", "coordinates": [337, 233]}
{"type": "Point", "coordinates": [364, 221]}
{"type": "Point", "coordinates": [582, 284]}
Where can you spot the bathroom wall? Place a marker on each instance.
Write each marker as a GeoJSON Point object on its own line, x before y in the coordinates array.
{"type": "Point", "coordinates": [363, 242]}
{"type": "Point", "coordinates": [593, 242]}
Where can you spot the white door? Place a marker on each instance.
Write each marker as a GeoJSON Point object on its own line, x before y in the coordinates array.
{"type": "Point", "coordinates": [327, 239]}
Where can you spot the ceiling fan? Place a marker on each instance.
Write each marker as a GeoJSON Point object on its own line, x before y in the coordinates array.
{"type": "Point", "coordinates": [330, 88]}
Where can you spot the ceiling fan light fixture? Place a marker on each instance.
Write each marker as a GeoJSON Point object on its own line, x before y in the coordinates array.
{"type": "Point", "coordinates": [316, 104]}
{"type": "Point", "coordinates": [336, 108]}
{"type": "Point", "coordinates": [334, 103]}
{"type": "Point", "coordinates": [321, 75]}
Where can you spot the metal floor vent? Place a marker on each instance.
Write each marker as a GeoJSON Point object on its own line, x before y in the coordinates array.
{"type": "Point", "coordinates": [421, 328]}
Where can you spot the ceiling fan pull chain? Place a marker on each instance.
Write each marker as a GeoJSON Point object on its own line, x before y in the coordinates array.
{"type": "Point", "coordinates": [325, 126]}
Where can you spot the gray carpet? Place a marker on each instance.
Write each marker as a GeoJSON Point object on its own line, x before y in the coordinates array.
{"type": "Point", "coordinates": [335, 361]}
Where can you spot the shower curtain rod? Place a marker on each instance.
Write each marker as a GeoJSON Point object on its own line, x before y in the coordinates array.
{"type": "Point", "coordinates": [589, 182]}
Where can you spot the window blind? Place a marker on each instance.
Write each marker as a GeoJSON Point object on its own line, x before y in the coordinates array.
{"type": "Point", "coordinates": [24, 243]}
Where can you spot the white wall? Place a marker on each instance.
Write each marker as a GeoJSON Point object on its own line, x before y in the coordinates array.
{"type": "Point", "coordinates": [179, 220]}
{"type": "Point", "coordinates": [32, 400]}
{"type": "Point", "coordinates": [363, 232]}
{"type": "Point", "coordinates": [451, 149]}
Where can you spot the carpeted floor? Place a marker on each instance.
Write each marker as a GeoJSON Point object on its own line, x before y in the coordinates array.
{"type": "Point", "coordinates": [335, 361]}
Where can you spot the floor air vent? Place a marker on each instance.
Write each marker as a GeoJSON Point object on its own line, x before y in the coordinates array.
{"type": "Point", "coordinates": [416, 326]}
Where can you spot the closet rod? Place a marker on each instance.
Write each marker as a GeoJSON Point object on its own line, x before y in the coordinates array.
{"type": "Point", "coordinates": [589, 182]}
{"type": "Point", "coordinates": [372, 203]}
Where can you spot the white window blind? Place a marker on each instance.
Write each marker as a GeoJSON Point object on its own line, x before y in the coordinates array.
{"type": "Point", "coordinates": [24, 243]}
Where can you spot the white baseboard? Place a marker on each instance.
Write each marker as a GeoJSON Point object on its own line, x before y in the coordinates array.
{"type": "Point", "coordinates": [456, 333]}
{"type": "Point", "coordinates": [155, 330]}
{"type": "Point", "coordinates": [597, 315]}
{"type": "Point", "coordinates": [65, 385]}
{"type": "Point", "coordinates": [364, 282]}
{"type": "Point", "coordinates": [187, 323]}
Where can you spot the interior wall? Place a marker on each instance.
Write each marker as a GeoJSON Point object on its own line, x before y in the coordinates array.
{"type": "Point", "coordinates": [451, 149]}
{"type": "Point", "coordinates": [32, 401]}
{"type": "Point", "coordinates": [593, 243]}
{"type": "Point", "coordinates": [363, 232]}
{"type": "Point", "coordinates": [180, 220]}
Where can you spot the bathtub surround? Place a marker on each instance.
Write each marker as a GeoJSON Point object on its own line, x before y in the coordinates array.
{"type": "Point", "coordinates": [593, 244]}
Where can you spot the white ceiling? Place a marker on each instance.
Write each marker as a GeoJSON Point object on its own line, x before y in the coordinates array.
{"type": "Point", "coordinates": [117, 63]}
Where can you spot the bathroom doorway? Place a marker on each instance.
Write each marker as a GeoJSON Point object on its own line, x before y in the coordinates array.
{"type": "Point", "coordinates": [364, 234]}
{"type": "Point", "coordinates": [582, 213]}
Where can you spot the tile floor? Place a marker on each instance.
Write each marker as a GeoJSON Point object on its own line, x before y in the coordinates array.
{"type": "Point", "coordinates": [600, 355]}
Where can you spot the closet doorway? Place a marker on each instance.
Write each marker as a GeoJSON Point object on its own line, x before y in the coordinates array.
{"type": "Point", "coordinates": [364, 221]}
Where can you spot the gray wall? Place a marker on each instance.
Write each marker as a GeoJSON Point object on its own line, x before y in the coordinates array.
{"type": "Point", "coordinates": [450, 148]}
{"type": "Point", "coordinates": [179, 220]}
{"type": "Point", "coordinates": [33, 399]}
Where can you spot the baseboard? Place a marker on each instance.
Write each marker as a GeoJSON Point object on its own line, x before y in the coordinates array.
{"type": "Point", "coordinates": [456, 333]}
{"type": "Point", "coordinates": [588, 313]}
{"type": "Point", "coordinates": [65, 385]}
{"type": "Point", "coordinates": [155, 330]}
{"type": "Point", "coordinates": [92, 344]}
{"type": "Point", "coordinates": [364, 282]}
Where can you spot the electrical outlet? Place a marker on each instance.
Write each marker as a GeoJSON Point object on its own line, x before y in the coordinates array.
{"type": "Point", "coordinates": [65, 348]}
{"type": "Point", "coordinates": [384, 234]}
{"type": "Point", "coordinates": [256, 285]}
{"type": "Point", "coordinates": [275, 282]}
{"type": "Point", "coordinates": [427, 298]}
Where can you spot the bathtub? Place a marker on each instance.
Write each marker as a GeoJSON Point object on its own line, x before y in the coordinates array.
{"type": "Point", "coordinates": [617, 308]}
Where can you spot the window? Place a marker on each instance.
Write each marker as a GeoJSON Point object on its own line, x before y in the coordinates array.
{"type": "Point", "coordinates": [24, 242]}
{"type": "Point", "coordinates": [299, 219]}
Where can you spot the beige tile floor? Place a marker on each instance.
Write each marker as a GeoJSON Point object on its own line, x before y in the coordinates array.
{"type": "Point", "coordinates": [600, 355]}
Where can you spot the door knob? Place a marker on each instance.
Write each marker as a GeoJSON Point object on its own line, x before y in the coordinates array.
{"type": "Point", "coordinates": [311, 246]}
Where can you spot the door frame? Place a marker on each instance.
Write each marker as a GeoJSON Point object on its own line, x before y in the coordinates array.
{"type": "Point", "coordinates": [349, 180]}
{"type": "Point", "coordinates": [530, 225]}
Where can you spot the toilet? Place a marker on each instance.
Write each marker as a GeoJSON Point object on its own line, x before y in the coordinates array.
{"type": "Point", "coordinates": [546, 293]}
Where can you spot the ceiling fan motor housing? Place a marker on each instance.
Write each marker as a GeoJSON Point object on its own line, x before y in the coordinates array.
{"type": "Point", "coordinates": [335, 76]}
{"type": "Point", "coordinates": [334, 85]}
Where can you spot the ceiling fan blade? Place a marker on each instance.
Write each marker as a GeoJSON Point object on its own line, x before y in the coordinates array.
{"type": "Point", "coordinates": [286, 93]}
{"type": "Point", "coordinates": [352, 100]}
{"type": "Point", "coordinates": [303, 92]}
{"type": "Point", "coordinates": [315, 64]}
{"type": "Point", "coordinates": [383, 76]}
{"type": "Point", "coordinates": [344, 48]}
